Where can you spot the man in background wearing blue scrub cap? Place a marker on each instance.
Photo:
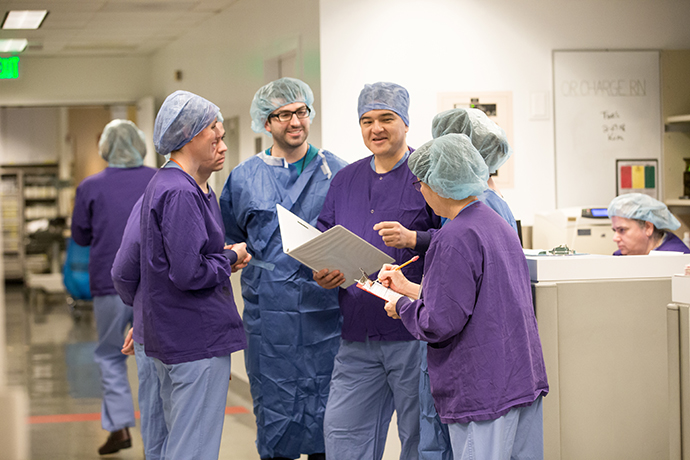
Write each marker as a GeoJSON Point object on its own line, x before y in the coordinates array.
{"type": "Point", "coordinates": [642, 224]}
{"type": "Point", "coordinates": [190, 320]}
{"type": "Point", "coordinates": [376, 370]}
{"type": "Point", "coordinates": [292, 324]}
{"type": "Point", "coordinates": [101, 208]}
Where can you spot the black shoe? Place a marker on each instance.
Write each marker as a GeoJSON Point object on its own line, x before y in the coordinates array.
{"type": "Point", "coordinates": [117, 440]}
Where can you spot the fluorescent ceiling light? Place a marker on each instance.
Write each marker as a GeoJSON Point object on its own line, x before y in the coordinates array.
{"type": "Point", "coordinates": [24, 19]}
{"type": "Point", "coordinates": [15, 45]}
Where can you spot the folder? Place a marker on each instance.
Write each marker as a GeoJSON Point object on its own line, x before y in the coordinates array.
{"type": "Point", "coordinates": [335, 249]}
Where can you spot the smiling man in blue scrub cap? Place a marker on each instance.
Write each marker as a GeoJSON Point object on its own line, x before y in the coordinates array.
{"type": "Point", "coordinates": [292, 324]}
{"type": "Point", "coordinates": [377, 367]}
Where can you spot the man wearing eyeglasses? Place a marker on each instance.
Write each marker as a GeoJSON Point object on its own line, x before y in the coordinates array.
{"type": "Point", "coordinates": [377, 367]}
{"type": "Point", "coordinates": [292, 324]}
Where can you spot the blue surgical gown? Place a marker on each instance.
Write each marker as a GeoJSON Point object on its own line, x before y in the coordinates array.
{"type": "Point", "coordinates": [292, 324]}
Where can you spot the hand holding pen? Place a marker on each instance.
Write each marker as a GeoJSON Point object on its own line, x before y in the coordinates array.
{"type": "Point", "coordinates": [392, 278]}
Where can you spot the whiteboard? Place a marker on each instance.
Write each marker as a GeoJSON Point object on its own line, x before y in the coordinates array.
{"type": "Point", "coordinates": [607, 106]}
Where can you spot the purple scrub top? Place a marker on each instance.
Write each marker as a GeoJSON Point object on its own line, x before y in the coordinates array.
{"type": "Point", "coordinates": [476, 313]}
{"type": "Point", "coordinates": [671, 243]}
{"type": "Point", "coordinates": [101, 207]}
{"type": "Point", "coordinates": [357, 199]}
{"type": "Point", "coordinates": [189, 312]}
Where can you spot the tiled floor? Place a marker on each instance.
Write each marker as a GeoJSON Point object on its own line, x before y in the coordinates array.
{"type": "Point", "coordinates": [51, 355]}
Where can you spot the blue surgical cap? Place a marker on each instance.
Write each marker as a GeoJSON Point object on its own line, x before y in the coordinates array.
{"type": "Point", "coordinates": [451, 166]}
{"type": "Point", "coordinates": [275, 95]}
{"type": "Point", "coordinates": [643, 207]}
{"type": "Point", "coordinates": [486, 135]}
{"type": "Point", "coordinates": [182, 116]}
{"type": "Point", "coordinates": [384, 96]}
{"type": "Point", "coordinates": [122, 144]}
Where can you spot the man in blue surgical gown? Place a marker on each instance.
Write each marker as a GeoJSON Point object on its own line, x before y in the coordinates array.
{"type": "Point", "coordinates": [292, 324]}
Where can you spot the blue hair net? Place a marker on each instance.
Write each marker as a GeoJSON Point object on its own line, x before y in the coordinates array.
{"type": "Point", "coordinates": [182, 116]}
{"type": "Point", "coordinates": [643, 207]}
{"type": "Point", "coordinates": [122, 144]}
{"type": "Point", "coordinates": [384, 96]}
{"type": "Point", "coordinates": [451, 166]}
{"type": "Point", "coordinates": [486, 135]}
{"type": "Point", "coordinates": [275, 95]}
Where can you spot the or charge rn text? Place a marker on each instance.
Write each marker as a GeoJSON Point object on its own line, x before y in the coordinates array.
{"type": "Point", "coordinates": [607, 88]}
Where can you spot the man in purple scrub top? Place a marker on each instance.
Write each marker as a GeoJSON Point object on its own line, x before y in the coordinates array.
{"type": "Point", "coordinates": [376, 369]}
{"type": "Point", "coordinates": [101, 207]}
{"type": "Point", "coordinates": [474, 309]}
{"type": "Point", "coordinates": [190, 321]}
{"type": "Point", "coordinates": [642, 224]}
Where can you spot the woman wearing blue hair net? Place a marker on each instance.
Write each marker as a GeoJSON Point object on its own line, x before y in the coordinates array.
{"type": "Point", "coordinates": [474, 308]}
{"type": "Point", "coordinates": [101, 207]}
{"type": "Point", "coordinates": [642, 224]}
{"type": "Point", "coordinates": [190, 321]}
{"type": "Point", "coordinates": [491, 142]}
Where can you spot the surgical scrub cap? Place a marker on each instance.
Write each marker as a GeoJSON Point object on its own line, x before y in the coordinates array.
{"type": "Point", "coordinates": [451, 166]}
{"type": "Point", "coordinates": [182, 116]}
{"type": "Point", "coordinates": [122, 144]}
{"type": "Point", "coordinates": [384, 96]}
{"type": "Point", "coordinates": [275, 95]}
{"type": "Point", "coordinates": [486, 135]}
{"type": "Point", "coordinates": [643, 207]}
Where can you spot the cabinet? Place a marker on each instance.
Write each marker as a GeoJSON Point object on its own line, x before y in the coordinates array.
{"type": "Point", "coordinates": [29, 204]}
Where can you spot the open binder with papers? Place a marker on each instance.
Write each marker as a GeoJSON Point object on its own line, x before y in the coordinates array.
{"type": "Point", "coordinates": [335, 249]}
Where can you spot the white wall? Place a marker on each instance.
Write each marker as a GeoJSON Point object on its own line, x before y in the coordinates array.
{"type": "Point", "coordinates": [77, 80]}
{"type": "Point", "coordinates": [223, 60]}
{"type": "Point", "coordinates": [436, 46]}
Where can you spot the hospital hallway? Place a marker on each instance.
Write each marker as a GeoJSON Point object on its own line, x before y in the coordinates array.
{"type": "Point", "coordinates": [51, 355]}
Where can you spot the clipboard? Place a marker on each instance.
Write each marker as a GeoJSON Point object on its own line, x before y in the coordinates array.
{"type": "Point", "coordinates": [335, 249]}
{"type": "Point", "coordinates": [376, 288]}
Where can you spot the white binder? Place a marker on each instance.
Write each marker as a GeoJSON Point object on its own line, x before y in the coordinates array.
{"type": "Point", "coordinates": [335, 249]}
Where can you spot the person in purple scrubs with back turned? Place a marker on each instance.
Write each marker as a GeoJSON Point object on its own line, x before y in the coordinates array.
{"type": "Point", "coordinates": [642, 224]}
{"type": "Point", "coordinates": [190, 321]}
{"type": "Point", "coordinates": [376, 369]}
{"type": "Point", "coordinates": [474, 308]}
{"type": "Point", "coordinates": [101, 207]}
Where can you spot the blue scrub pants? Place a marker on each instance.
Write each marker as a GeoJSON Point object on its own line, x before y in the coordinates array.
{"type": "Point", "coordinates": [370, 380]}
{"type": "Point", "coordinates": [113, 318]}
{"type": "Point", "coordinates": [194, 396]}
{"type": "Point", "coordinates": [434, 440]}
{"type": "Point", "coordinates": [153, 427]}
{"type": "Point", "coordinates": [518, 435]}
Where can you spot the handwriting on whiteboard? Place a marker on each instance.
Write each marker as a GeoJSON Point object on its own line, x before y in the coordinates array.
{"type": "Point", "coordinates": [604, 88]}
{"type": "Point", "coordinates": [613, 127]}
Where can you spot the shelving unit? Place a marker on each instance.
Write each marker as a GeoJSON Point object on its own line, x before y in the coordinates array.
{"type": "Point", "coordinates": [29, 200]}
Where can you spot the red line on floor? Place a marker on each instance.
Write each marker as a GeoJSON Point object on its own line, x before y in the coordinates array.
{"type": "Point", "coordinates": [65, 418]}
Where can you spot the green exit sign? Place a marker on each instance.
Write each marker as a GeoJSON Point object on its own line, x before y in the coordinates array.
{"type": "Point", "coordinates": [9, 68]}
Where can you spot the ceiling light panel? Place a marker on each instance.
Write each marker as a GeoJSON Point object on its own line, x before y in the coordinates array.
{"type": "Point", "coordinates": [15, 45]}
{"type": "Point", "coordinates": [30, 19]}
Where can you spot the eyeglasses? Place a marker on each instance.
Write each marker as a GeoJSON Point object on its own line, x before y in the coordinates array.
{"type": "Point", "coordinates": [417, 185]}
{"type": "Point", "coordinates": [285, 116]}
